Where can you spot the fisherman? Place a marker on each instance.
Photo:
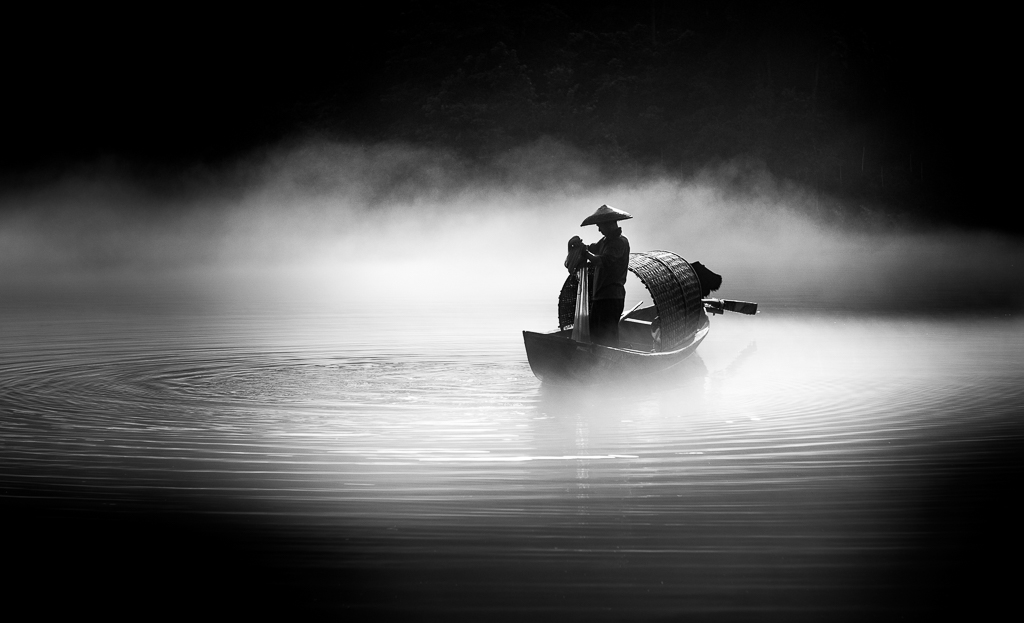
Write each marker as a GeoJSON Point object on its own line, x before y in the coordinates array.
{"type": "Point", "coordinates": [610, 258]}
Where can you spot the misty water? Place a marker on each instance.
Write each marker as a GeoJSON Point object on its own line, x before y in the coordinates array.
{"type": "Point", "coordinates": [800, 464]}
{"type": "Point", "coordinates": [309, 397]}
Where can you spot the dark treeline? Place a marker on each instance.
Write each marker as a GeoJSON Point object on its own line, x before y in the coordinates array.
{"type": "Point", "coordinates": [889, 110]}
{"type": "Point", "coordinates": [872, 106]}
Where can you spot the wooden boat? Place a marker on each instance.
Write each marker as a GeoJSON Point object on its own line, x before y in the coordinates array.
{"type": "Point", "coordinates": [651, 339]}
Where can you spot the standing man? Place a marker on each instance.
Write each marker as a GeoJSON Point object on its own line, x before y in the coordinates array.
{"type": "Point", "coordinates": [610, 259]}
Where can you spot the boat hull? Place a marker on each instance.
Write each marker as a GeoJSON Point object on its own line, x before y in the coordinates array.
{"type": "Point", "coordinates": [556, 358]}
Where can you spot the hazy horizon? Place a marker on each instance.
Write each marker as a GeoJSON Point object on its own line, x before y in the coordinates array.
{"type": "Point", "coordinates": [322, 223]}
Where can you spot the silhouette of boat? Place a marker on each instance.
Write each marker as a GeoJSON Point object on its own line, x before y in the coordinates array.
{"type": "Point", "coordinates": [651, 339]}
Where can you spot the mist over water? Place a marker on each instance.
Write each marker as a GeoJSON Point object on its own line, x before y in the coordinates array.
{"type": "Point", "coordinates": [328, 223]}
{"type": "Point", "coordinates": [299, 387]}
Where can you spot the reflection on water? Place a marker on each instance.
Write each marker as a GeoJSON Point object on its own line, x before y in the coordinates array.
{"type": "Point", "coordinates": [799, 467]}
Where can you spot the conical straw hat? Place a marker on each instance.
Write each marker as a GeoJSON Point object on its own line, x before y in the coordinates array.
{"type": "Point", "coordinates": [604, 214]}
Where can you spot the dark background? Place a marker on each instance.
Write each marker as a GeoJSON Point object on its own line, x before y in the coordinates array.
{"type": "Point", "coordinates": [893, 109]}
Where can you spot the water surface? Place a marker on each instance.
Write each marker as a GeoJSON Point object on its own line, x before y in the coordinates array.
{"type": "Point", "coordinates": [801, 466]}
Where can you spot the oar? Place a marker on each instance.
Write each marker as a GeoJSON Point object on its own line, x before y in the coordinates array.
{"type": "Point", "coordinates": [718, 306]}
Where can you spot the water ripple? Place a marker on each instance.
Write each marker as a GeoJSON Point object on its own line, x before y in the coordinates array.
{"type": "Point", "coordinates": [778, 466]}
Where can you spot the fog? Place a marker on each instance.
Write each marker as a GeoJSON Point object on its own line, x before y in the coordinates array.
{"type": "Point", "coordinates": [363, 449]}
{"type": "Point", "coordinates": [321, 225]}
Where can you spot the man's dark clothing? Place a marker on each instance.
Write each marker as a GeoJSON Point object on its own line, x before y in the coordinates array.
{"type": "Point", "coordinates": [609, 293]}
{"type": "Point", "coordinates": [610, 266]}
{"type": "Point", "coordinates": [604, 321]}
